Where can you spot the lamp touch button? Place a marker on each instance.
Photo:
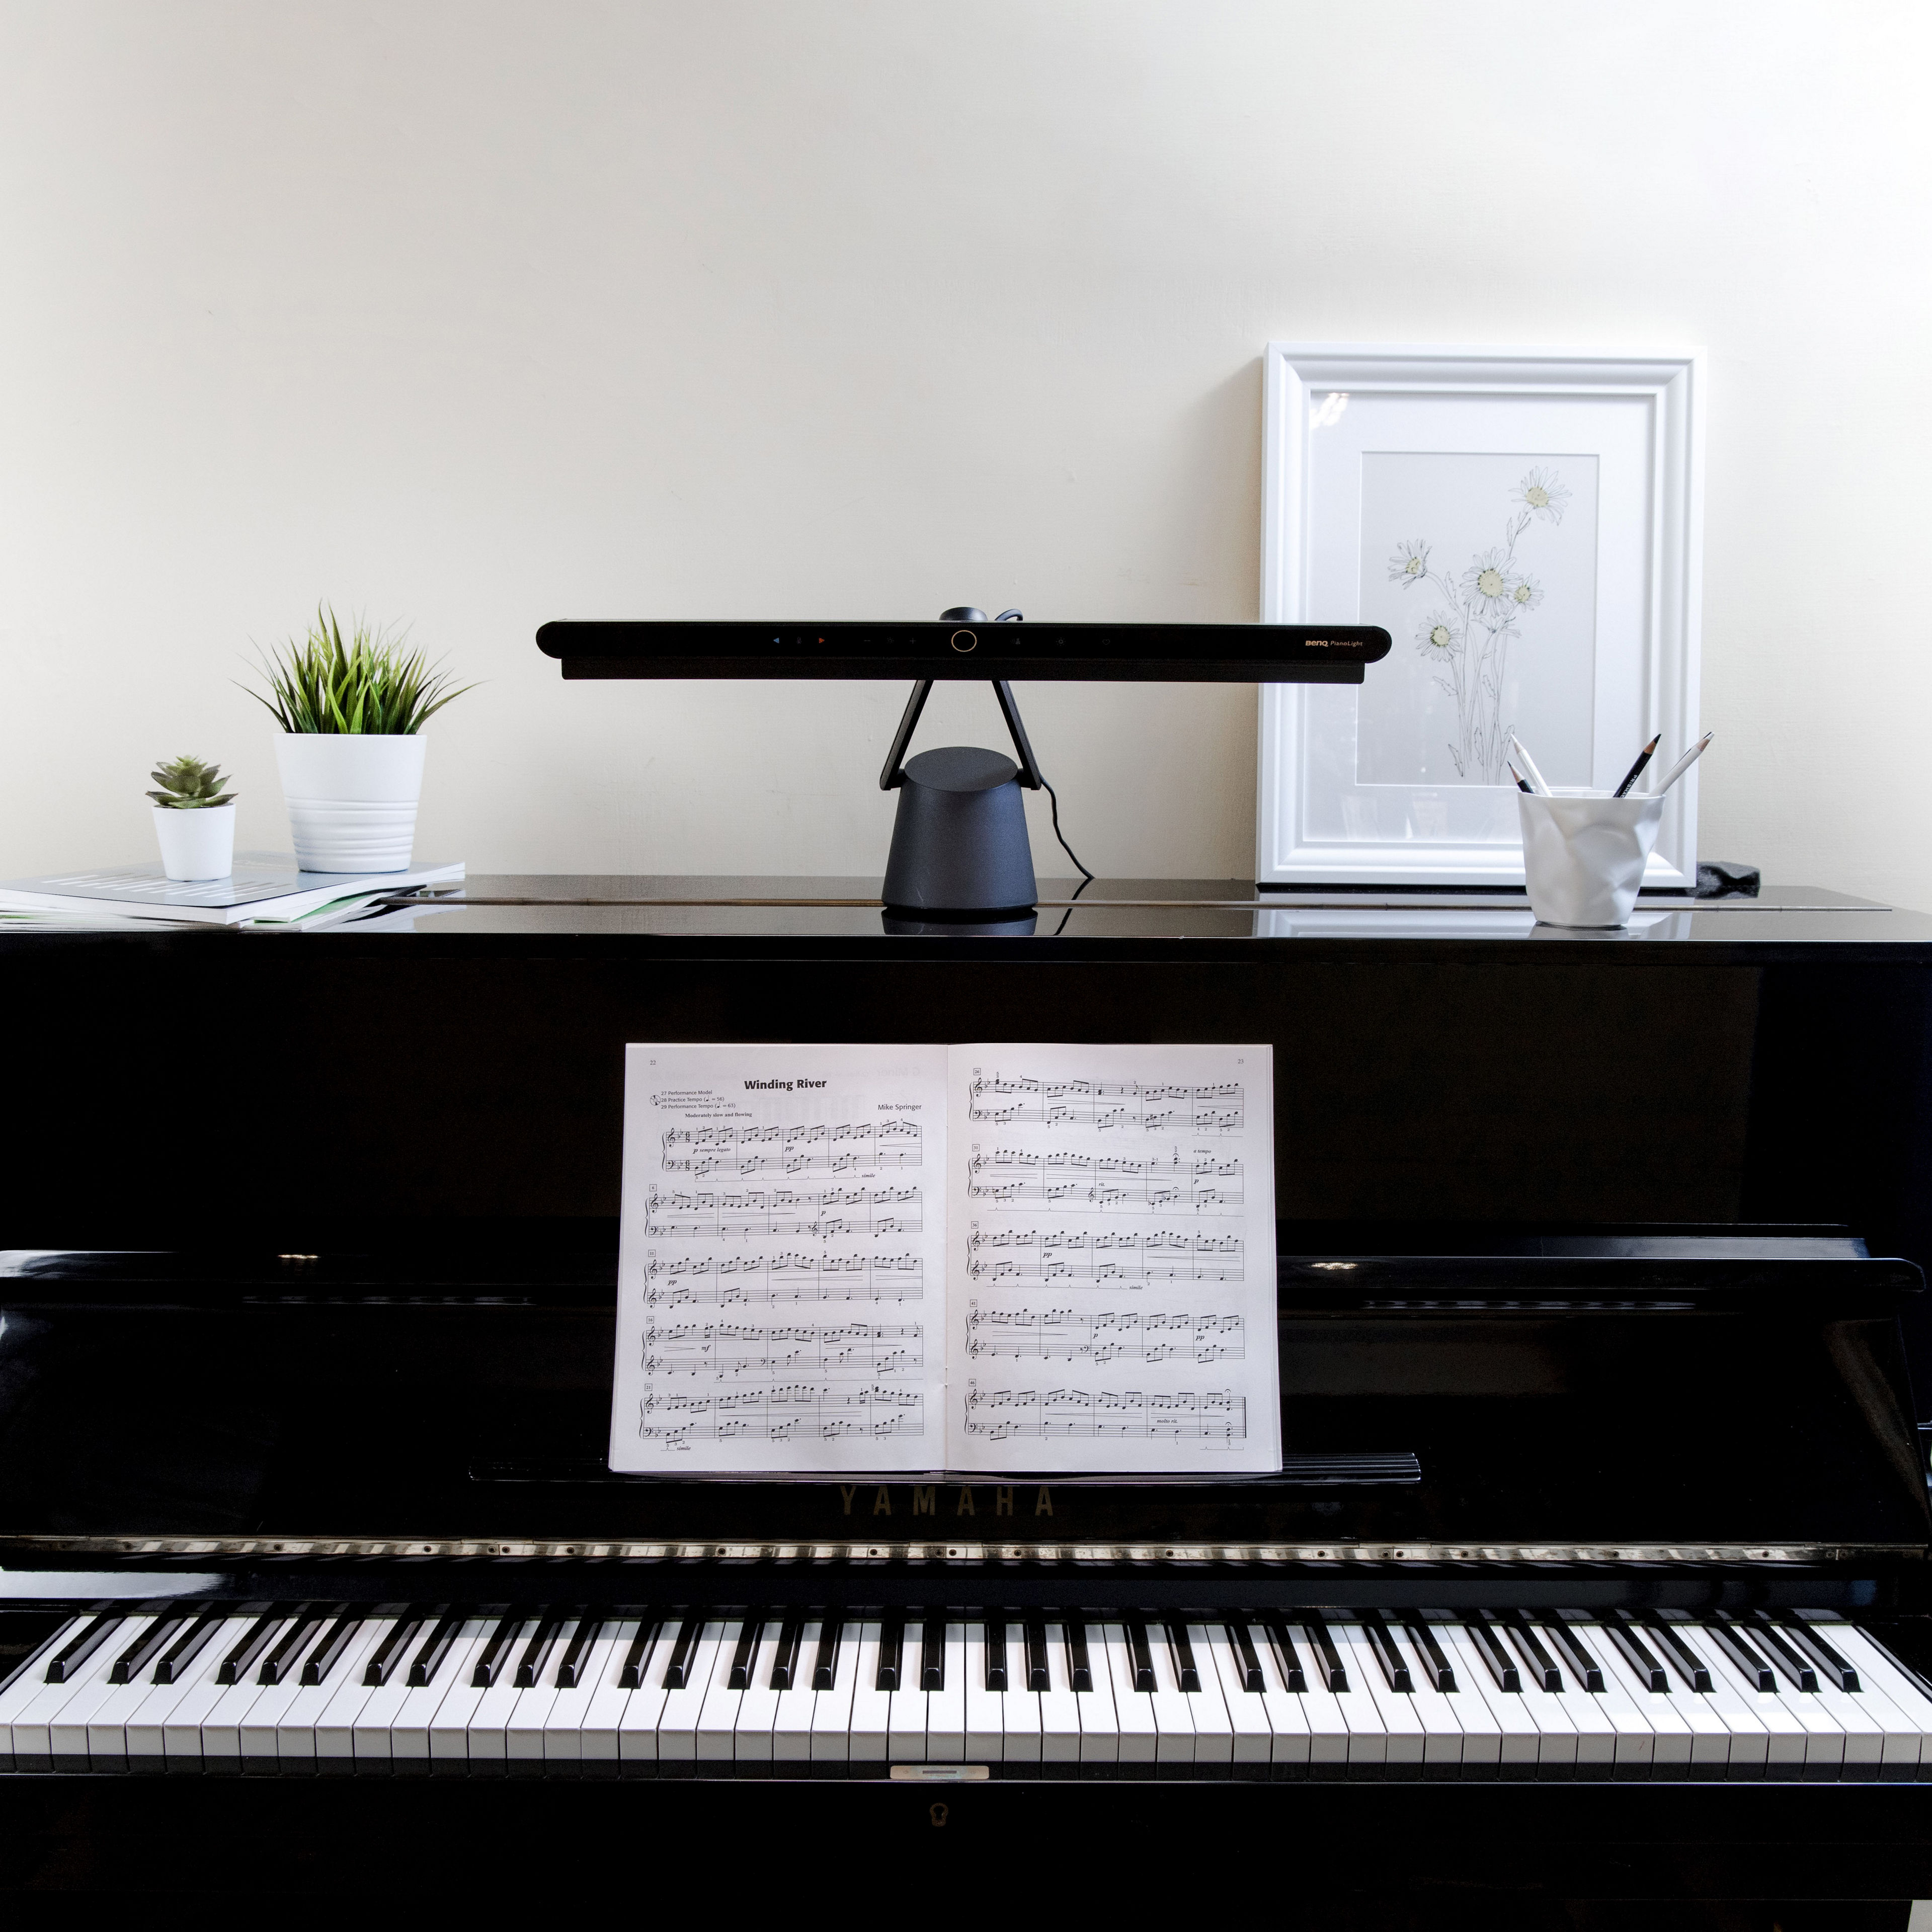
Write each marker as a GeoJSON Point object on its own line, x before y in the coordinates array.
{"type": "Point", "coordinates": [965, 640]}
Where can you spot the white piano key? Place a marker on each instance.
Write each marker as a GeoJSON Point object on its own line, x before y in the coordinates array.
{"type": "Point", "coordinates": [30, 1680]}
{"type": "Point", "coordinates": [407, 1737]}
{"type": "Point", "coordinates": [1594, 1728]}
{"type": "Point", "coordinates": [605, 1696]}
{"type": "Point", "coordinates": [1173, 1709]}
{"type": "Point", "coordinates": [1061, 1731]}
{"type": "Point", "coordinates": [1886, 1691]}
{"type": "Point", "coordinates": [562, 1740]}
{"type": "Point", "coordinates": [1787, 1736]}
{"type": "Point", "coordinates": [946, 1708]}
{"type": "Point", "coordinates": [1022, 1739]}
{"type": "Point", "coordinates": [67, 1727]}
{"type": "Point", "coordinates": [182, 1741]}
{"type": "Point", "coordinates": [792, 1713]}
{"type": "Point", "coordinates": [1519, 1738]}
{"type": "Point", "coordinates": [107, 1745]}
{"type": "Point", "coordinates": [524, 1723]}
{"type": "Point", "coordinates": [1213, 1729]}
{"type": "Point", "coordinates": [1251, 1735]}
{"type": "Point", "coordinates": [985, 1710]}
{"type": "Point", "coordinates": [259, 1726]}
{"type": "Point", "coordinates": [146, 1726]}
{"type": "Point", "coordinates": [629, 1718]}
{"type": "Point", "coordinates": [758, 1707]}
{"type": "Point", "coordinates": [1446, 1738]}
{"type": "Point", "coordinates": [1628, 1707]}
{"type": "Point", "coordinates": [1368, 1735]}
{"type": "Point", "coordinates": [854, 1721]}
{"type": "Point", "coordinates": [677, 1722]}
{"type": "Point", "coordinates": [907, 1733]}
{"type": "Point", "coordinates": [349, 1697]}
{"type": "Point", "coordinates": [1138, 1735]}
{"type": "Point", "coordinates": [719, 1711]}
{"type": "Point", "coordinates": [1309, 1727]}
{"type": "Point", "coordinates": [221, 1729]}
{"type": "Point", "coordinates": [298, 1736]}
{"type": "Point", "coordinates": [461, 1700]}
{"type": "Point", "coordinates": [486, 1728]}
{"type": "Point", "coordinates": [1405, 1740]}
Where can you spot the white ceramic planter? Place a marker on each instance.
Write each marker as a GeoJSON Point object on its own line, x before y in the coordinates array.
{"type": "Point", "coordinates": [197, 841]}
{"type": "Point", "coordinates": [1584, 854]}
{"type": "Point", "coordinates": [352, 800]}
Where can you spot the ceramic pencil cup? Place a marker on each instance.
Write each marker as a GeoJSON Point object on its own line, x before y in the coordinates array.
{"type": "Point", "coordinates": [1584, 852]}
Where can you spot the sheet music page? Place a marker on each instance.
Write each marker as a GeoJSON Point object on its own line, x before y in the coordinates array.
{"type": "Point", "coordinates": [1112, 1259]}
{"type": "Point", "coordinates": [781, 1276]}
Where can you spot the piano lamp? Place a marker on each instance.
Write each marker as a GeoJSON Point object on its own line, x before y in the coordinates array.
{"type": "Point", "coordinates": [960, 853]}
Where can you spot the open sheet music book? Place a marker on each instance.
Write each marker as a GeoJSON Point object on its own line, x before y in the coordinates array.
{"type": "Point", "coordinates": [1023, 1258]}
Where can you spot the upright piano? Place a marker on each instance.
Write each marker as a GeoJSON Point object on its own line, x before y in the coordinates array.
{"type": "Point", "coordinates": [1595, 1570]}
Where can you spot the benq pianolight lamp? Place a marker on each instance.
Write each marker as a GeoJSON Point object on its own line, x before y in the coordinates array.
{"type": "Point", "coordinates": [960, 852]}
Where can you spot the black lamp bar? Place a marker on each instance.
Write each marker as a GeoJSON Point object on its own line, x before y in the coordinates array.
{"type": "Point", "coordinates": [1152, 653]}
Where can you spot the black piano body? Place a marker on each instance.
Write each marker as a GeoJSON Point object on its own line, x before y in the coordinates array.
{"type": "Point", "coordinates": [1600, 1279]}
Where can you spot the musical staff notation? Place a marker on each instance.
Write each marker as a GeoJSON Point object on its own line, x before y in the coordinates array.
{"type": "Point", "coordinates": [999, 1414]}
{"type": "Point", "coordinates": [799, 1409]}
{"type": "Point", "coordinates": [739, 1348]}
{"type": "Point", "coordinates": [1067, 1335]}
{"type": "Point", "coordinates": [722, 1279]}
{"type": "Point", "coordinates": [1200, 1183]}
{"type": "Point", "coordinates": [1157, 1108]}
{"type": "Point", "coordinates": [715, 1213]}
{"type": "Point", "coordinates": [848, 1147]}
{"type": "Point", "coordinates": [1076, 1255]}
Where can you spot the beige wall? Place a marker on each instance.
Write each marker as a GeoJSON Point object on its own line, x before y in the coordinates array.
{"type": "Point", "coordinates": [479, 314]}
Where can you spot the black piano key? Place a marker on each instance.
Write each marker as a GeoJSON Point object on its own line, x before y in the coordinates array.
{"type": "Point", "coordinates": [825, 1665]}
{"type": "Point", "coordinates": [1079, 1667]}
{"type": "Point", "coordinates": [892, 1653]}
{"type": "Point", "coordinates": [1689, 1665]}
{"type": "Point", "coordinates": [630, 1675]}
{"type": "Point", "coordinates": [677, 1669]}
{"type": "Point", "coordinates": [436, 1646]}
{"type": "Point", "coordinates": [784, 1665]}
{"type": "Point", "coordinates": [577, 1656]}
{"type": "Point", "coordinates": [1621, 1629]}
{"type": "Point", "coordinates": [1252, 1678]}
{"type": "Point", "coordinates": [390, 1652]}
{"type": "Point", "coordinates": [235, 1666]}
{"type": "Point", "coordinates": [536, 1652]}
{"type": "Point", "coordinates": [1038, 1676]}
{"type": "Point", "coordinates": [1330, 1664]}
{"type": "Point", "coordinates": [1137, 1643]}
{"type": "Point", "coordinates": [1739, 1648]}
{"type": "Point", "coordinates": [1588, 1673]}
{"type": "Point", "coordinates": [189, 1645]}
{"type": "Point", "coordinates": [1387, 1656]}
{"type": "Point", "coordinates": [1286, 1655]}
{"type": "Point", "coordinates": [744, 1654]}
{"type": "Point", "coordinates": [140, 1653]}
{"type": "Point", "coordinates": [1812, 1642]}
{"type": "Point", "coordinates": [1181, 1651]}
{"type": "Point", "coordinates": [1543, 1667]}
{"type": "Point", "coordinates": [932, 1654]}
{"type": "Point", "coordinates": [1437, 1671]}
{"type": "Point", "coordinates": [1489, 1648]}
{"type": "Point", "coordinates": [321, 1661]}
{"type": "Point", "coordinates": [496, 1651]}
{"type": "Point", "coordinates": [286, 1653]}
{"type": "Point", "coordinates": [995, 1648]}
{"type": "Point", "coordinates": [65, 1664]}
{"type": "Point", "coordinates": [1795, 1667]}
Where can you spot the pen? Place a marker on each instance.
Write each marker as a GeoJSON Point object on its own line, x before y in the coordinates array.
{"type": "Point", "coordinates": [1643, 757]}
{"type": "Point", "coordinates": [1683, 764]}
{"type": "Point", "coordinates": [1537, 782]}
{"type": "Point", "coordinates": [1521, 781]}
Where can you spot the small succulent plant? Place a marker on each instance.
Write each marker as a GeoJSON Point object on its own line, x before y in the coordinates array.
{"type": "Point", "coordinates": [186, 784]}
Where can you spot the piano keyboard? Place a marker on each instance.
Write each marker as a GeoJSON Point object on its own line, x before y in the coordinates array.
{"type": "Point", "coordinates": [325, 1690]}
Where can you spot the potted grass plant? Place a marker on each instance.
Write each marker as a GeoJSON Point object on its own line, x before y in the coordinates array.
{"type": "Point", "coordinates": [194, 820]}
{"type": "Point", "coordinates": [351, 711]}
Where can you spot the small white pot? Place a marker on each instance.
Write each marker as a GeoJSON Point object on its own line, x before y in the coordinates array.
{"type": "Point", "coordinates": [197, 841]}
{"type": "Point", "coordinates": [352, 799]}
{"type": "Point", "coordinates": [1584, 854]}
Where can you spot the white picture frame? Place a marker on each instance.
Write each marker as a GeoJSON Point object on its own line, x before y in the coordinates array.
{"type": "Point", "coordinates": [1353, 788]}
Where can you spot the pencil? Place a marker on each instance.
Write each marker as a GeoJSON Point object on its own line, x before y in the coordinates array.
{"type": "Point", "coordinates": [1522, 782]}
{"type": "Point", "coordinates": [1643, 757]}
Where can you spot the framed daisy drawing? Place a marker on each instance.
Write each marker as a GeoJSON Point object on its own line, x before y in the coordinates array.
{"type": "Point", "coordinates": [1527, 525]}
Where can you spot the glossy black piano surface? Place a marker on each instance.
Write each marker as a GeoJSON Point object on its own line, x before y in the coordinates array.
{"type": "Point", "coordinates": [1582, 1333]}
